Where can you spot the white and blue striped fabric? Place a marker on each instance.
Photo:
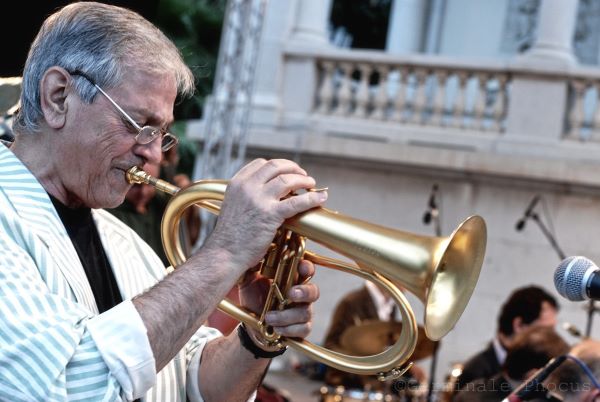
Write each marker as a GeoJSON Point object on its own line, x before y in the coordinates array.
{"type": "Point", "coordinates": [54, 346]}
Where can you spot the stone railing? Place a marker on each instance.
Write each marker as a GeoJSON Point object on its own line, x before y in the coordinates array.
{"type": "Point", "coordinates": [583, 114]}
{"type": "Point", "coordinates": [425, 90]}
{"type": "Point", "coordinates": [440, 99]}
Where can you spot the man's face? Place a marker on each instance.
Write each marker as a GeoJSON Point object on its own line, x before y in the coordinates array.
{"type": "Point", "coordinates": [99, 145]}
{"type": "Point", "coordinates": [547, 316]}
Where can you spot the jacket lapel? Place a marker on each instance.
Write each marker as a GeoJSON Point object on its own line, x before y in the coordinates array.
{"type": "Point", "coordinates": [34, 208]}
{"type": "Point", "coordinates": [135, 265]}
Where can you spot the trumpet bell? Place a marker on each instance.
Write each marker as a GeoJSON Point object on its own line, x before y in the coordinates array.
{"type": "Point", "coordinates": [455, 276]}
{"type": "Point", "coordinates": [441, 271]}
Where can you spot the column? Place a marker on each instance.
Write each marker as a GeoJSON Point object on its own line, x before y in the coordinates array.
{"type": "Point", "coordinates": [555, 31]}
{"type": "Point", "coordinates": [278, 23]}
{"type": "Point", "coordinates": [405, 27]}
{"type": "Point", "coordinates": [312, 20]}
{"type": "Point", "coordinates": [531, 119]}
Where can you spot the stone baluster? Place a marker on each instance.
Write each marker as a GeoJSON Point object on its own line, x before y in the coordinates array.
{"type": "Point", "coordinates": [419, 102]}
{"type": "Point", "coordinates": [459, 104]}
{"type": "Point", "coordinates": [439, 100]}
{"type": "Point", "coordinates": [325, 93]}
{"type": "Point", "coordinates": [400, 101]}
{"type": "Point", "coordinates": [381, 100]}
{"type": "Point", "coordinates": [362, 94]}
{"type": "Point", "coordinates": [344, 94]}
{"type": "Point", "coordinates": [480, 102]}
{"type": "Point", "coordinates": [575, 117]}
{"type": "Point", "coordinates": [499, 108]}
{"type": "Point", "coordinates": [596, 119]}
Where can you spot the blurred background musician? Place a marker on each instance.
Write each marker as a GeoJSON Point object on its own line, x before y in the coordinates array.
{"type": "Point", "coordinates": [525, 307]}
{"type": "Point", "coordinates": [530, 350]}
{"type": "Point", "coordinates": [571, 381]}
{"type": "Point", "coordinates": [363, 323]}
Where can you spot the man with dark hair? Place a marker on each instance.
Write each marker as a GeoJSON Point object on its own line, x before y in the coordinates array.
{"type": "Point", "coordinates": [526, 307]}
{"type": "Point", "coordinates": [531, 349]}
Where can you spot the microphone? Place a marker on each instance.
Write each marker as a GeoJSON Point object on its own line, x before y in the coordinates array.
{"type": "Point", "coordinates": [533, 386]}
{"type": "Point", "coordinates": [577, 278]}
{"type": "Point", "coordinates": [431, 206]}
{"type": "Point", "coordinates": [521, 222]}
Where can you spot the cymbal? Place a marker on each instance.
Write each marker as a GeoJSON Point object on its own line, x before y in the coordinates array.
{"type": "Point", "coordinates": [373, 336]}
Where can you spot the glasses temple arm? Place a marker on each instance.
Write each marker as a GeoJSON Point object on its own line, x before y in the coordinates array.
{"type": "Point", "coordinates": [129, 119]}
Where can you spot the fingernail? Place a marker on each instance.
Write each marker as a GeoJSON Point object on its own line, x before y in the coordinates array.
{"type": "Point", "coordinates": [322, 196]}
{"type": "Point", "coordinates": [269, 316]}
{"type": "Point", "coordinates": [296, 293]}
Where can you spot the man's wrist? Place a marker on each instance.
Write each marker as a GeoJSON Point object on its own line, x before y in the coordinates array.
{"type": "Point", "coordinates": [250, 344]}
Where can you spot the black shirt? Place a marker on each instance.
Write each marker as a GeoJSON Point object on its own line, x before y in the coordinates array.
{"type": "Point", "coordinates": [82, 230]}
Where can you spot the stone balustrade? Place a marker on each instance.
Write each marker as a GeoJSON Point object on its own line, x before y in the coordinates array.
{"type": "Point", "coordinates": [425, 91]}
{"type": "Point", "coordinates": [493, 102]}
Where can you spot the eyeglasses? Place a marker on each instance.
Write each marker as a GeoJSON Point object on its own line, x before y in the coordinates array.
{"type": "Point", "coordinates": [145, 134]}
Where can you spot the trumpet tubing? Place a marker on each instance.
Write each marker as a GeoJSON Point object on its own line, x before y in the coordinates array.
{"type": "Point", "coordinates": [441, 271]}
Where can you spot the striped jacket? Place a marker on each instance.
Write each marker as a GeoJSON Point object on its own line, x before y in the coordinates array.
{"type": "Point", "coordinates": [54, 346]}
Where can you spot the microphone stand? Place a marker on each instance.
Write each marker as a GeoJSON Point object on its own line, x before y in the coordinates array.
{"type": "Point", "coordinates": [591, 309]}
{"type": "Point", "coordinates": [548, 235]}
{"type": "Point", "coordinates": [433, 214]}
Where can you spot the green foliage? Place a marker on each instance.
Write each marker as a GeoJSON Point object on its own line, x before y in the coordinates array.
{"type": "Point", "coordinates": [195, 27]}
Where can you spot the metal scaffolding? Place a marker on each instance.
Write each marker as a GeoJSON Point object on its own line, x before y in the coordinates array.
{"type": "Point", "coordinates": [227, 113]}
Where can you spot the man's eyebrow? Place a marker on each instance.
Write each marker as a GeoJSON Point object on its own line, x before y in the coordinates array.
{"type": "Point", "coordinates": [150, 116]}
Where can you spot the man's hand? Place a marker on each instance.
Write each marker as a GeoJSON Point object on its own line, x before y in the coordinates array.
{"type": "Point", "coordinates": [255, 206]}
{"type": "Point", "coordinates": [296, 320]}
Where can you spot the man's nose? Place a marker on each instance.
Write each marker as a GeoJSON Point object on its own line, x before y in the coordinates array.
{"type": "Point", "coordinates": [151, 153]}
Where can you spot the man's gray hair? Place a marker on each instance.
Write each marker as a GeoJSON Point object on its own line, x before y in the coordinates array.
{"type": "Point", "coordinates": [101, 41]}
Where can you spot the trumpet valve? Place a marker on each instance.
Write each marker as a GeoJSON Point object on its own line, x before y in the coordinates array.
{"type": "Point", "coordinates": [394, 373]}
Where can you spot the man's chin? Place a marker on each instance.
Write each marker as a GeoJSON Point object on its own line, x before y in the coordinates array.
{"type": "Point", "coordinates": [114, 201]}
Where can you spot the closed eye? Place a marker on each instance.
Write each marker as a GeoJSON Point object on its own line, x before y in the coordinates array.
{"type": "Point", "coordinates": [130, 126]}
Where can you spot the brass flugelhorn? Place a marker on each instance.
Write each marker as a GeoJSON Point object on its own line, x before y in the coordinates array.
{"type": "Point", "coordinates": [441, 271]}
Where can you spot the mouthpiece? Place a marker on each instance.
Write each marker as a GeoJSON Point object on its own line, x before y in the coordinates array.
{"type": "Point", "coordinates": [137, 176]}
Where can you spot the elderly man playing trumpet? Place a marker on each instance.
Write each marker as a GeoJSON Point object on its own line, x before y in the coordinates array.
{"type": "Point", "coordinates": [86, 310]}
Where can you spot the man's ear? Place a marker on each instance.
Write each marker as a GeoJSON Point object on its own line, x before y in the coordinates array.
{"type": "Point", "coordinates": [517, 325]}
{"type": "Point", "coordinates": [54, 88]}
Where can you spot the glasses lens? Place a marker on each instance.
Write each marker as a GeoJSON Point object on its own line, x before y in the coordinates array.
{"type": "Point", "coordinates": [147, 134]}
{"type": "Point", "coordinates": [168, 141]}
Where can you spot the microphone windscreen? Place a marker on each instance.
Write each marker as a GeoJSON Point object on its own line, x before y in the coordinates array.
{"type": "Point", "coordinates": [571, 277]}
